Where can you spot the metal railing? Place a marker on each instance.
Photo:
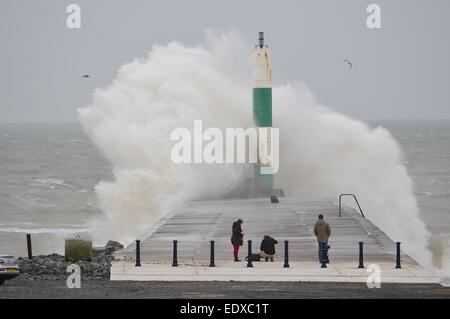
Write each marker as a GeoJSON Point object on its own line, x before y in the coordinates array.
{"type": "Point", "coordinates": [357, 203]}
{"type": "Point", "coordinates": [325, 259]}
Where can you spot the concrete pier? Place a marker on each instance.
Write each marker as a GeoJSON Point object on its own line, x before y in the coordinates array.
{"type": "Point", "coordinates": [196, 223]}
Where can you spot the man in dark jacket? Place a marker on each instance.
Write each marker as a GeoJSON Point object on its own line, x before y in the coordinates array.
{"type": "Point", "coordinates": [268, 248]}
{"type": "Point", "coordinates": [237, 238]}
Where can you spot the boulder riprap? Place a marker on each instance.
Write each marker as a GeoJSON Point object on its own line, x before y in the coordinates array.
{"type": "Point", "coordinates": [54, 266]}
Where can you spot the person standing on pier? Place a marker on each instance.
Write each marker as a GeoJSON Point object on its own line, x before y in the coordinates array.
{"type": "Point", "coordinates": [322, 230]}
{"type": "Point", "coordinates": [237, 238]}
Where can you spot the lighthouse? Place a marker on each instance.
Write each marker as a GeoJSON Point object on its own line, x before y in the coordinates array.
{"type": "Point", "coordinates": [262, 114]}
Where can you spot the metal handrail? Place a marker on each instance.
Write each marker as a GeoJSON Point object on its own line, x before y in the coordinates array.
{"type": "Point", "coordinates": [357, 203]}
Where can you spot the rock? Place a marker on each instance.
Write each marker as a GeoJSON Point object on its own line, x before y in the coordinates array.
{"type": "Point", "coordinates": [54, 266]}
{"type": "Point", "coordinates": [111, 246]}
{"type": "Point", "coordinates": [98, 251]}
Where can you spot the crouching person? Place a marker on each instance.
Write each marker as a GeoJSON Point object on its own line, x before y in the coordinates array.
{"type": "Point", "coordinates": [268, 248]}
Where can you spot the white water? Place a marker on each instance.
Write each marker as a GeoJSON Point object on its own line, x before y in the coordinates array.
{"type": "Point", "coordinates": [322, 153]}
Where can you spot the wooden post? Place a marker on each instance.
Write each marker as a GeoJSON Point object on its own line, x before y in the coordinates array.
{"type": "Point", "coordinates": [30, 251]}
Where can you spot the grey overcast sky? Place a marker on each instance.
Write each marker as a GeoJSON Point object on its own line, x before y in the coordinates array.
{"type": "Point", "coordinates": [399, 71]}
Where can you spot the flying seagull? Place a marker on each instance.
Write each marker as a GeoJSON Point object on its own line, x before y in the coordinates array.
{"type": "Point", "coordinates": [85, 76]}
{"type": "Point", "coordinates": [349, 63]}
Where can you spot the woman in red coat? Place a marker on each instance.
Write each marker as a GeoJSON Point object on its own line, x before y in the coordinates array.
{"type": "Point", "coordinates": [237, 238]}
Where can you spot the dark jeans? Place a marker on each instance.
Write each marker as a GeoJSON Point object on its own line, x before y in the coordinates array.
{"type": "Point", "coordinates": [321, 243]}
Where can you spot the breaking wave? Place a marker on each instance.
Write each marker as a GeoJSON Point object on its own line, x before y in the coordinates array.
{"type": "Point", "coordinates": [322, 153]}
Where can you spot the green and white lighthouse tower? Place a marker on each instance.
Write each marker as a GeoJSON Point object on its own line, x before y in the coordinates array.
{"type": "Point", "coordinates": [262, 113]}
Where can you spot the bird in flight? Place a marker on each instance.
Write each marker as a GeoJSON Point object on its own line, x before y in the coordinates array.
{"type": "Point", "coordinates": [85, 76]}
{"type": "Point", "coordinates": [349, 63]}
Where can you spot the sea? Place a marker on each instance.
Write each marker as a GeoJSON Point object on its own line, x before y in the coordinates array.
{"type": "Point", "coordinates": [49, 171]}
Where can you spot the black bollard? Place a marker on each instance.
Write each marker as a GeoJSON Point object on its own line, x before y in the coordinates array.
{"type": "Point", "coordinates": [286, 254]}
{"type": "Point", "coordinates": [397, 264]}
{"type": "Point", "coordinates": [30, 251]}
{"type": "Point", "coordinates": [138, 253]}
{"type": "Point", "coordinates": [361, 255]}
{"type": "Point", "coordinates": [324, 256]}
{"type": "Point", "coordinates": [211, 262]}
{"type": "Point", "coordinates": [175, 257]}
{"type": "Point", "coordinates": [249, 257]}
